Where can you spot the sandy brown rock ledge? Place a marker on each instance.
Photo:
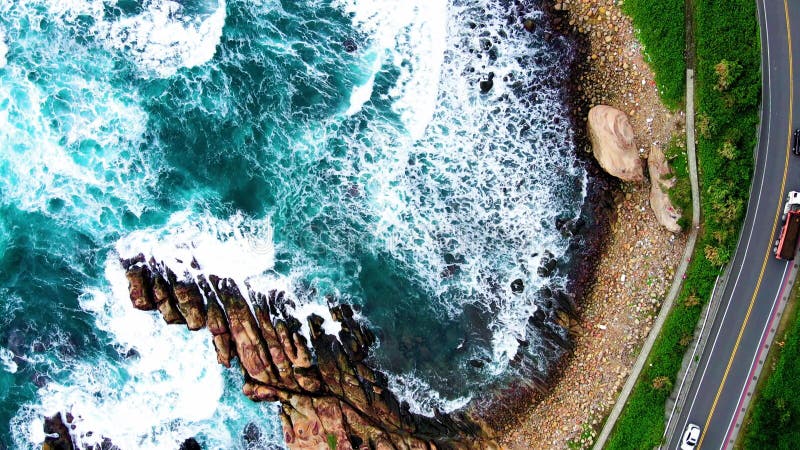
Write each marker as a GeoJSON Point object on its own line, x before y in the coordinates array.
{"type": "Point", "coordinates": [329, 397]}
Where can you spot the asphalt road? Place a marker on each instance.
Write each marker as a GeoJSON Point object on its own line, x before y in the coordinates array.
{"type": "Point", "coordinates": [747, 312]}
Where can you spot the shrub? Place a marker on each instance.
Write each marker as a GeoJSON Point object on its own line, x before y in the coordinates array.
{"type": "Point", "coordinates": [727, 72]}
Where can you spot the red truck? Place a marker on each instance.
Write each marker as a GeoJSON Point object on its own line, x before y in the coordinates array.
{"type": "Point", "coordinates": [786, 245]}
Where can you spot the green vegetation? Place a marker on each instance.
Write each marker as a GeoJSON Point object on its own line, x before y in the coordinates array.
{"type": "Point", "coordinates": [333, 442]}
{"type": "Point", "coordinates": [728, 86]}
{"type": "Point", "coordinates": [728, 94]}
{"type": "Point", "coordinates": [681, 193]}
{"type": "Point", "coordinates": [774, 421]}
{"type": "Point", "coordinates": [586, 438]}
{"type": "Point", "coordinates": [660, 28]}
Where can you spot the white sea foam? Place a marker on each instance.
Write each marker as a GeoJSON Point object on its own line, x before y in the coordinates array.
{"type": "Point", "coordinates": [163, 39]}
{"type": "Point", "coordinates": [7, 359]}
{"type": "Point", "coordinates": [304, 310]}
{"type": "Point", "coordinates": [482, 176]}
{"type": "Point", "coordinates": [412, 36]}
{"type": "Point", "coordinates": [3, 49]}
{"type": "Point", "coordinates": [169, 391]}
{"type": "Point", "coordinates": [362, 93]}
{"type": "Point", "coordinates": [237, 248]}
{"type": "Point", "coordinates": [149, 401]}
{"type": "Point", "coordinates": [420, 397]}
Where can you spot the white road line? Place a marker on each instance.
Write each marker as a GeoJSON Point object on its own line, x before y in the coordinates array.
{"type": "Point", "coordinates": [752, 228]}
{"type": "Point", "coordinates": [755, 355]}
{"type": "Point", "coordinates": [694, 352]}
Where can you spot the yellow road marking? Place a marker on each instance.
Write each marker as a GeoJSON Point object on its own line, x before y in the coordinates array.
{"type": "Point", "coordinates": [774, 225]}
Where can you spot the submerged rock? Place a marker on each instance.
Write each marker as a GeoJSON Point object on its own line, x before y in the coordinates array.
{"type": "Point", "coordinates": [350, 45]}
{"type": "Point", "coordinates": [612, 137]}
{"type": "Point", "coordinates": [190, 444]}
{"type": "Point", "coordinates": [517, 286]}
{"type": "Point", "coordinates": [487, 83]}
{"type": "Point", "coordinates": [529, 25]}
{"type": "Point", "coordinates": [57, 434]}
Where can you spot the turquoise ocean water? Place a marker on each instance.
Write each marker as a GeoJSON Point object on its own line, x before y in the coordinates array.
{"type": "Point", "coordinates": [322, 147]}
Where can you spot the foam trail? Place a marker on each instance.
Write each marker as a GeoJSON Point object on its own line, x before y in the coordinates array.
{"type": "Point", "coordinates": [3, 49]}
{"type": "Point", "coordinates": [239, 248]}
{"type": "Point", "coordinates": [163, 38]}
{"type": "Point", "coordinates": [414, 24]}
{"type": "Point", "coordinates": [421, 398]}
{"type": "Point", "coordinates": [475, 182]}
{"type": "Point", "coordinates": [361, 94]}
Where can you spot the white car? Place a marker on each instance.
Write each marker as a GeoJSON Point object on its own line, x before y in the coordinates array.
{"type": "Point", "coordinates": [690, 436]}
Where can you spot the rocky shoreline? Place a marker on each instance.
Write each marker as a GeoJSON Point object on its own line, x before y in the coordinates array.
{"type": "Point", "coordinates": [623, 265]}
{"type": "Point", "coordinates": [624, 274]}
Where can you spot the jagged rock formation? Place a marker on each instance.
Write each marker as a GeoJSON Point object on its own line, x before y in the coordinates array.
{"type": "Point", "coordinates": [611, 134]}
{"type": "Point", "coordinates": [57, 434]}
{"type": "Point", "coordinates": [59, 437]}
{"type": "Point", "coordinates": [660, 183]}
{"type": "Point", "coordinates": [330, 399]}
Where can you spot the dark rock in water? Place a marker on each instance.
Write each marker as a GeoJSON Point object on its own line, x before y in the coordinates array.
{"type": "Point", "coordinates": [251, 435]}
{"type": "Point", "coordinates": [450, 271]}
{"type": "Point", "coordinates": [58, 437]}
{"type": "Point", "coordinates": [570, 227]}
{"type": "Point", "coordinates": [349, 45]}
{"type": "Point", "coordinates": [523, 343]}
{"type": "Point", "coordinates": [548, 266]}
{"type": "Point", "coordinates": [517, 286]}
{"type": "Point", "coordinates": [132, 353]}
{"type": "Point", "coordinates": [106, 444]}
{"type": "Point", "coordinates": [476, 363]}
{"type": "Point", "coordinates": [530, 25]}
{"type": "Point", "coordinates": [129, 262]}
{"type": "Point", "coordinates": [561, 221]}
{"type": "Point", "coordinates": [40, 380]}
{"type": "Point", "coordinates": [190, 444]}
{"type": "Point", "coordinates": [487, 83]}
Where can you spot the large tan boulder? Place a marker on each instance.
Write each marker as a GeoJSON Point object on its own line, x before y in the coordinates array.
{"type": "Point", "coordinates": [612, 143]}
{"type": "Point", "coordinates": [660, 182]}
{"type": "Point", "coordinates": [139, 287]}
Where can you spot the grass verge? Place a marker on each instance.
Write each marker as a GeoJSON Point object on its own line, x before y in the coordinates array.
{"type": "Point", "coordinates": [660, 28]}
{"type": "Point", "coordinates": [728, 87]}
